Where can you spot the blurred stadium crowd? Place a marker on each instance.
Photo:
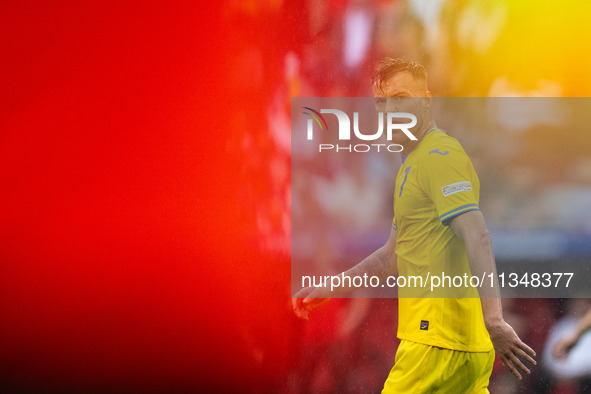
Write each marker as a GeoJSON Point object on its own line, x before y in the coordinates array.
{"type": "Point", "coordinates": [539, 182]}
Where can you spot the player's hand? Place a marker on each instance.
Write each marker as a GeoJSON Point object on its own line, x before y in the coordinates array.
{"type": "Point", "coordinates": [564, 346]}
{"type": "Point", "coordinates": [308, 299]}
{"type": "Point", "coordinates": [510, 348]}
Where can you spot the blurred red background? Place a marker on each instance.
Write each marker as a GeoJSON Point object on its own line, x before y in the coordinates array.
{"type": "Point", "coordinates": [127, 262]}
{"type": "Point", "coordinates": [145, 183]}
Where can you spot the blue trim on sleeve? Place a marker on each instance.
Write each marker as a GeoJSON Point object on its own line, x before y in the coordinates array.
{"type": "Point", "coordinates": [464, 208]}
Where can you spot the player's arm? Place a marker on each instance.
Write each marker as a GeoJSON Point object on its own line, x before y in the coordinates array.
{"type": "Point", "coordinates": [471, 228]}
{"type": "Point", "coordinates": [380, 263]}
{"type": "Point", "coordinates": [564, 345]}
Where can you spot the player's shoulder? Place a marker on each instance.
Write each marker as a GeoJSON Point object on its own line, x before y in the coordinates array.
{"type": "Point", "coordinates": [439, 139]}
{"type": "Point", "coordinates": [439, 148]}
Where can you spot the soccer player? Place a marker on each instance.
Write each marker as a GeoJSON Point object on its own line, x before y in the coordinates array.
{"type": "Point", "coordinates": [446, 343]}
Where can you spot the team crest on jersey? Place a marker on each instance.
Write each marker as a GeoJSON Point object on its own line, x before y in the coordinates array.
{"type": "Point", "coordinates": [456, 188]}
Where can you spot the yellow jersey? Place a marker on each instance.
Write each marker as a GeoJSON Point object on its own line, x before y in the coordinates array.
{"type": "Point", "coordinates": [435, 183]}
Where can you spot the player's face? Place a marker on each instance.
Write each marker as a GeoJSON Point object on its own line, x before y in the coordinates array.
{"type": "Point", "coordinates": [396, 95]}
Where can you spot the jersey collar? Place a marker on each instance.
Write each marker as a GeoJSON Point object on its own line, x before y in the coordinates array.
{"type": "Point", "coordinates": [404, 156]}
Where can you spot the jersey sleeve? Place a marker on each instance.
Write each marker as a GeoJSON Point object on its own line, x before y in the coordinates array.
{"type": "Point", "coordinates": [451, 183]}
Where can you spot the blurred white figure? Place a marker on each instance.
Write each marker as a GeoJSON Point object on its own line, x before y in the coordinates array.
{"type": "Point", "coordinates": [568, 349]}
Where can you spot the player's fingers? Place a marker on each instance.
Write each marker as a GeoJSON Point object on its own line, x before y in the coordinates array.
{"type": "Point", "coordinates": [302, 293]}
{"type": "Point", "coordinates": [302, 313]}
{"type": "Point", "coordinates": [299, 309]}
{"type": "Point", "coordinates": [526, 356]}
{"type": "Point", "coordinates": [312, 301]}
{"type": "Point", "coordinates": [560, 356]}
{"type": "Point", "coordinates": [296, 304]}
{"type": "Point", "coordinates": [523, 346]}
{"type": "Point", "coordinates": [310, 297]}
{"type": "Point", "coordinates": [509, 365]}
{"type": "Point", "coordinates": [562, 352]}
{"type": "Point", "coordinates": [517, 363]}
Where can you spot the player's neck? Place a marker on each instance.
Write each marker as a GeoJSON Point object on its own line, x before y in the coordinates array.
{"type": "Point", "coordinates": [424, 130]}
